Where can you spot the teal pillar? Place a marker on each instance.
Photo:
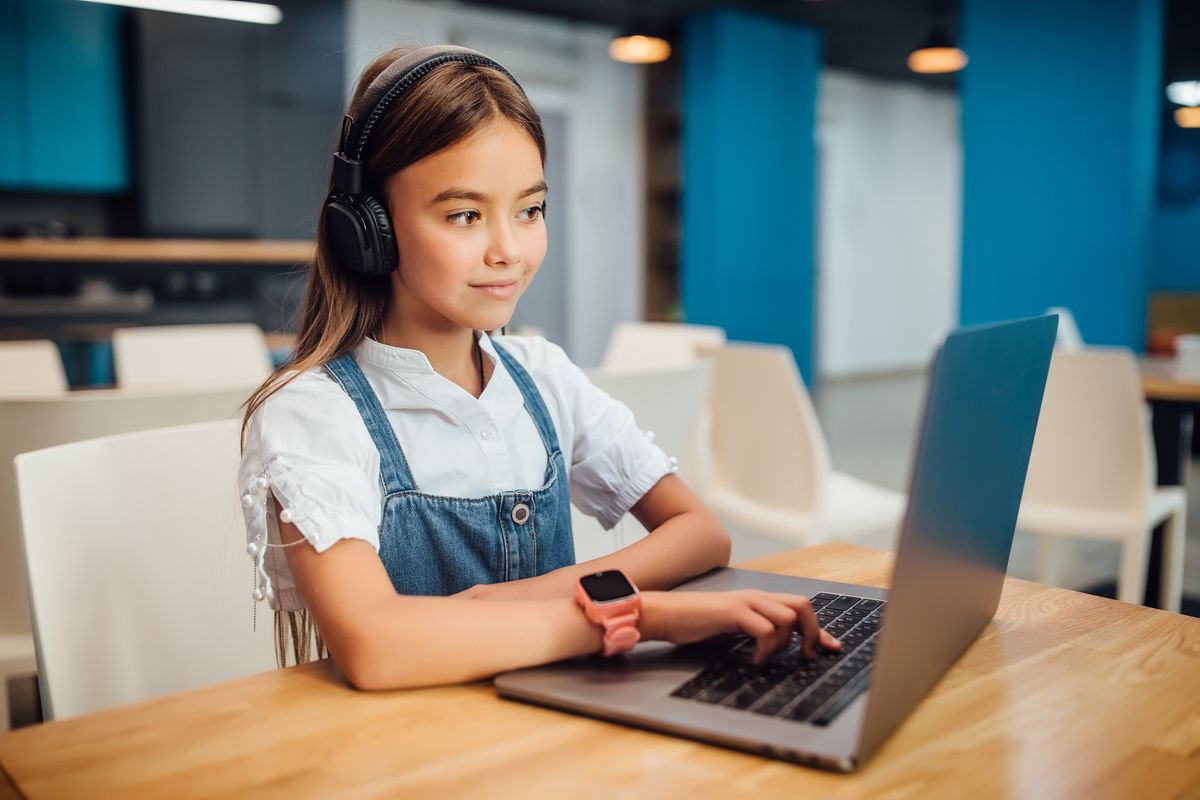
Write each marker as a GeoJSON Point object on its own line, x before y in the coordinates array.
{"type": "Point", "coordinates": [749, 178]}
{"type": "Point", "coordinates": [1060, 107]}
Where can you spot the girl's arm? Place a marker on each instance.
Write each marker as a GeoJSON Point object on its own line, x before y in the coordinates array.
{"type": "Point", "coordinates": [381, 639]}
{"type": "Point", "coordinates": [384, 640]}
{"type": "Point", "coordinates": [686, 539]}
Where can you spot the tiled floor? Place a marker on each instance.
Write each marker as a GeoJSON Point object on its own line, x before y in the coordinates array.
{"type": "Point", "coordinates": [870, 424]}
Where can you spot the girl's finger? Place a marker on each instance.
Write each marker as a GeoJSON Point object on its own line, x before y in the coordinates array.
{"type": "Point", "coordinates": [806, 621]}
{"type": "Point", "coordinates": [782, 616]}
{"type": "Point", "coordinates": [829, 642]}
{"type": "Point", "coordinates": [761, 629]}
{"type": "Point", "coordinates": [805, 614]}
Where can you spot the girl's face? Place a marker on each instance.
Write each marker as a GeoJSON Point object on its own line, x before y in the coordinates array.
{"type": "Point", "coordinates": [469, 229]}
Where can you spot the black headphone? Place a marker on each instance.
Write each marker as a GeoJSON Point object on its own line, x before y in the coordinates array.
{"type": "Point", "coordinates": [358, 224]}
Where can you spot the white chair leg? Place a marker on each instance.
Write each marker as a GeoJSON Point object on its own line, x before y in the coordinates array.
{"type": "Point", "coordinates": [1171, 581]}
{"type": "Point", "coordinates": [1131, 582]}
{"type": "Point", "coordinates": [5, 708]}
{"type": "Point", "coordinates": [1046, 563]}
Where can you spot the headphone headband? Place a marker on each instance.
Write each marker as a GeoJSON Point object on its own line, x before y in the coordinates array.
{"type": "Point", "coordinates": [397, 79]}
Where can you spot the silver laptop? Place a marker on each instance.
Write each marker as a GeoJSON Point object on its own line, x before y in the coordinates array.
{"type": "Point", "coordinates": [835, 710]}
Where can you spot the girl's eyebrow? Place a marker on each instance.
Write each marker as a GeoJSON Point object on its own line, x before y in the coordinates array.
{"type": "Point", "coordinates": [456, 193]}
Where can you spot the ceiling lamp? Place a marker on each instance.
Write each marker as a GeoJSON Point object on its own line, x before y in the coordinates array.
{"type": "Point", "coordinates": [262, 13]}
{"type": "Point", "coordinates": [938, 55]}
{"type": "Point", "coordinates": [1184, 93]}
{"type": "Point", "coordinates": [1187, 117]}
{"type": "Point", "coordinates": [639, 49]}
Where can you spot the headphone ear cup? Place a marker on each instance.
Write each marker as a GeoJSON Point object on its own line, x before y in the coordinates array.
{"type": "Point", "coordinates": [384, 240]}
{"type": "Point", "coordinates": [360, 232]}
{"type": "Point", "coordinates": [347, 235]}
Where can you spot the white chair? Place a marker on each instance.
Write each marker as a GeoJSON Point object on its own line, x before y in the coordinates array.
{"type": "Point", "coordinates": [1092, 471]}
{"type": "Point", "coordinates": [31, 368]}
{"type": "Point", "coordinates": [140, 583]}
{"type": "Point", "coordinates": [191, 355]}
{"type": "Point", "coordinates": [1069, 336]}
{"type": "Point", "coordinates": [641, 346]}
{"type": "Point", "coordinates": [32, 423]}
{"type": "Point", "coordinates": [665, 403]}
{"type": "Point", "coordinates": [771, 469]}
{"type": "Point", "coordinates": [658, 345]}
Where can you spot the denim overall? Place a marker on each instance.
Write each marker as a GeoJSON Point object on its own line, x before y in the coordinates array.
{"type": "Point", "coordinates": [433, 545]}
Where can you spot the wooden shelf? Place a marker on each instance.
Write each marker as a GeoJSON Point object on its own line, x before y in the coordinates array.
{"type": "Point", "coordinates": [175, 251]}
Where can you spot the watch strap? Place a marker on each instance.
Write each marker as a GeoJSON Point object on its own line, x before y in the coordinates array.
{"type": "Point", "coordinates": [621, 633]}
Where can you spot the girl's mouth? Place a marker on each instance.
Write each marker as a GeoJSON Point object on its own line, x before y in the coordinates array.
{"type": "Point", "coordinates": [500, 291]}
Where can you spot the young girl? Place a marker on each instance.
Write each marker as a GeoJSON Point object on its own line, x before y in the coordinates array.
{"type": "Point", "coordinates": [407, 478]}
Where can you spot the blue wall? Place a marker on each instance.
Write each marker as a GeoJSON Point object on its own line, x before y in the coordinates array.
{"type": "Point", "coordinates": [62, 111]}
{"type": "Point", "coordinates": [748, 194]}
{"type": "Point", "coordinates": [1060, 106]}
{"type": "Point", "coordinates": [1177, 225]}
{"type": "Point", "coordinates": [1177, 249]}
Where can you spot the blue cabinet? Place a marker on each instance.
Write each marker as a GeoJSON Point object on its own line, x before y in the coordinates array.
{"type": "Point", "coordinates": [12, 94]}
{"type": "Point", "coordinates": [61, 77]}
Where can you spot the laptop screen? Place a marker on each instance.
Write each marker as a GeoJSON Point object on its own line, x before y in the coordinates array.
{"type": "Point", "coordinates": [981, 411]}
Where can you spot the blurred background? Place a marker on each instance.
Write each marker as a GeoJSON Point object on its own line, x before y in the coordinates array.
{"type": "Point", "coordinates": [784, 172]}
{"type": "Point", "coordinates": [845, 180]}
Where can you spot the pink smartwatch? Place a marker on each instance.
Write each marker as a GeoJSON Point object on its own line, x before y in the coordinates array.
{"type": "Point", "coordinates": [610, 599]}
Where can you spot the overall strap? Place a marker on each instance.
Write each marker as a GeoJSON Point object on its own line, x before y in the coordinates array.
{"type": "Point", "coordinates": [394, 473]}
{"type": "Point", "coordinates": [533, 400]}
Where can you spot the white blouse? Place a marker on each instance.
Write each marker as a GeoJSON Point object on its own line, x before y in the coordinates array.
{"type": "Point", "coordinates": [308, 444]}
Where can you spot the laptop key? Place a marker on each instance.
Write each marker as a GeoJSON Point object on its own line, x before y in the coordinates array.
{"type": "Point", "coordinates": [842, 603]}
{"type": "Point", "coordinates": [688, 690]}
{"type": "Point", "coordinates": [852, 690]}
{"type": "Point", "coordinates": [822, 599]}
{"type": "Point", "coordinates": [719, 691]}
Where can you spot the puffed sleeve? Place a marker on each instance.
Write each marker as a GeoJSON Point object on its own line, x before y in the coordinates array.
{"type": "Point", "coordinates": [307, 445]}
{"type": "Point", "coordinates": [613, 463]}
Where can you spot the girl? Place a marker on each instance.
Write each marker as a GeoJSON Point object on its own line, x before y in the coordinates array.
{"type": "Point", "coordinates": [407, 477]}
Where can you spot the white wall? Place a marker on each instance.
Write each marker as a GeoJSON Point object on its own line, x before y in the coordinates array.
{"type": "Point", "coordinates": [563, 66]}
{"type": "Point", "coordinates": [889, 222]}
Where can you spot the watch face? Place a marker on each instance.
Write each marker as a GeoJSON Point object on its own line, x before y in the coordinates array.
{"type": "Point", "coordinates": [604, 587]}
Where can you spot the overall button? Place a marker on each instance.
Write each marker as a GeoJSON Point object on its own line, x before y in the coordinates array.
{"type": "Point", "coordinates": [520, 513]}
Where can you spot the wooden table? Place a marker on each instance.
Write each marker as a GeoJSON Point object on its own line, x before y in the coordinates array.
{"type": "Point", "coordinates": [1063, 695]}
{"type": "Point", "coordinates": [157, 251]}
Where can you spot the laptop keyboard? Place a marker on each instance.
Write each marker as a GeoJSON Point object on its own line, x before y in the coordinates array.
{"type": "Point", "coordinates": [788, 685]}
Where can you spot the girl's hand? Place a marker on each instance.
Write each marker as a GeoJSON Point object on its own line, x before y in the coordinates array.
{"type": "Point", "coordinates": [685, 617]}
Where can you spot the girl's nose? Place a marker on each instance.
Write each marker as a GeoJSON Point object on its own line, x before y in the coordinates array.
{"type": "Point", "coordinates": [503, 249]}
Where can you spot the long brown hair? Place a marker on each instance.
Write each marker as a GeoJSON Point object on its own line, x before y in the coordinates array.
{"type": "Point", "coordinates": [341, 307]}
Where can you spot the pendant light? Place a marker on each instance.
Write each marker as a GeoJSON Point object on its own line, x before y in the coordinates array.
{"type": "Point", "coordinates": [637, 44]}
{"type": "Point", "coordinates": [938, 54]}
{"type": "Point", "coordinates": [1187, 117]}
{"type": "Point", "coordinates": [638, 48]}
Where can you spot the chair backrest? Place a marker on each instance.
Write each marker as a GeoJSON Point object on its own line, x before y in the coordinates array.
{"type": "Point", "coordinates": [1069, 336]}
{"type": "Point", "coordinates": [767, 441]}
{"type": "Point", "coordinates": [140, 581]}
{"type": "Point", "coordinates": [191, 355]}
{"type": "Point", "coordinates": [658, 345]}
{"type": "Point", "coordinates": [31, 368]}
{"type": "Point", "coordinates": [35, 423]}
{"type": "Point", "coordinates": [1093, 447]}
{"type": "Point", "coordinates": [666, 402]}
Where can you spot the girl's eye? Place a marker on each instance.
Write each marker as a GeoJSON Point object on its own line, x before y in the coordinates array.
{"type": "Point", "coordinates": [533, 212]}
{"type": "Point", "coordinates": [463, 218]}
